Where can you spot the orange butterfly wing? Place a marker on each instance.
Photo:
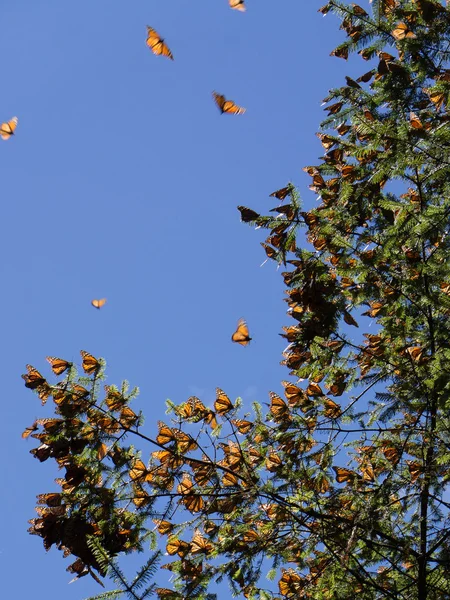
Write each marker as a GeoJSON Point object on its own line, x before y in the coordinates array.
{"type": "Point", "coordinates": [156, 43]}
{"type": "Point", "coordinates": [241, 335]}
{"type": "Point", "coordinates": [7, 129]}
{"type": "Point", "coordinates": [227, 106]}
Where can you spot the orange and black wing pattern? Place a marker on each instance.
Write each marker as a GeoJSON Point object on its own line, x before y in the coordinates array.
{"type": "Point", "coordinates": [227, 106]}
{"type": "Point", "coordinates": [7, 129]}
{"type": "Point", "coordinates": [241, 335]}
{"type": "Point", "coordinates": [157, 44]}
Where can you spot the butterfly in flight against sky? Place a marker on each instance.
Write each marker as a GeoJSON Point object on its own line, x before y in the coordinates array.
{"type": "Point", "coordinates": [237, 5]}
{"type": "Point", "coordinates": [227, 106]}
{"type": "Point", "coordinates": [156, 43]}
{"type": "Point", "coordinates": [98, 303]}
{"type": "Point", "coordinates": [7, 129]}
{"type": "Point", "coordinates": [241, 335]}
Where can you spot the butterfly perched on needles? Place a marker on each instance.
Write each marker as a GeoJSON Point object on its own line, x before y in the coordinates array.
{"type": "Point", "coordinates": [241, 335]}
{"type": "Point", "coordinates": [98, 303]}
{"type": "Point", "coordinates": [156, 43]}
{"type": "Point", "coordinates": [7, 129]}
{"type": "Point", "coordinates": [227, 106]}
{"type": "Point", "coordinates": [237, 5]}
{"type": "Point", "coordinates": [59, 365]}
{"type": "Point", "coordinates": [90, 364]}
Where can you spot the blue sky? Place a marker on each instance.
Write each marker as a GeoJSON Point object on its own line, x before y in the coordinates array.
{"type": "Point", "coordinates": [122, 181]}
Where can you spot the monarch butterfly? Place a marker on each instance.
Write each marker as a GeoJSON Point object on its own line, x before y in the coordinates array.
{"type": "Point", "coordinates": [273, 462]}
{"type": "Point", "coordinates": [278, 407]}
{"type": "Point", "coordinates": [33, 379]}
{"type": "Point", "coordinates": [98, 303]}
{"type": "Point", "coordinates": [237, 5]}
{"type": "Point", "coordinates": [58, 365]}
{"type": "Point", "coordinates": [332, 409]}
{"type": "Point", "coordinates": [168, 458]}
{"type": "Point", "coordinates": [140, 472]}
{"type": "Point", "coordinates": [247, 214]}
{"type": "Point", "coordinates": [200, 544]}
{"type": "Point", "coordinates": [90, 364]}
{"type": "Point", "coordinates": [402, 31]}
{"type": "Point", "coordinates": [391, 454]}
{"type": "Point", "coordinates": [281, 193]}
{"type": "Point", "coordinates": [7, 129]}
{"type": "Point", "coordinates": [290, 583]}
{"type": "Point", "coordinates": [222, 404]}
{"type": "Point", "coordinates": [229, 479]}
{"type": "Point", "coordinates": [156, 43]}
{"type": "Point", "coordinates": [227, 106]}
{"type": "Point", "coordinates": [345, 475]}
{"type": "Point", "coordinates": [165, 434]}
{"type": "Point", "coordinates": [114, 399]}
{"type": "Point", "coordinates": [242, 425]}
{"type": "Point", "coordinates": [241, 335]}
{"type": "Point", "coordinates": [415, 470]}
{"type": "Point", "coordinates": [29, 430]}
{"type": "Point", "coordinates": [44, 392]}
{"type": "Point", "coordinates": [128, 417]}
{"type": "Point", "coordinates": [164, 527]}
{"type": "Point", "coordinates": [176, 546]}
{"type": "Point", "coordinates": [51, 499]}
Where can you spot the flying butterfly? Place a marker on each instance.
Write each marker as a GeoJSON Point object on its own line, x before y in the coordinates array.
{"type": "Point", "coordinates": [98, 303]}
{"type": "Point", "coordinates": [227, 106]}
{"type": "Point", "coordinates": [237, 5]}
{"type": "Point", "coordinates": [241, 335]}
{"type": "Point", "coordinates": [90, 364]}
{"type": "Point", "coordinates": [7, 129]}
{"type": "Point", "coordinates": [58, 365]}
{"type": "Point", "coordinates": [156, 43]}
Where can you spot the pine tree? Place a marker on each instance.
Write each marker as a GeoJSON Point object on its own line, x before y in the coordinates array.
{"type": "Point", "coordinates": [341, 488]}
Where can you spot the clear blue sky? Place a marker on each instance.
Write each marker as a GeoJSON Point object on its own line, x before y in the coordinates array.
{"type": "Point", "coordinates": [122, 181]}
